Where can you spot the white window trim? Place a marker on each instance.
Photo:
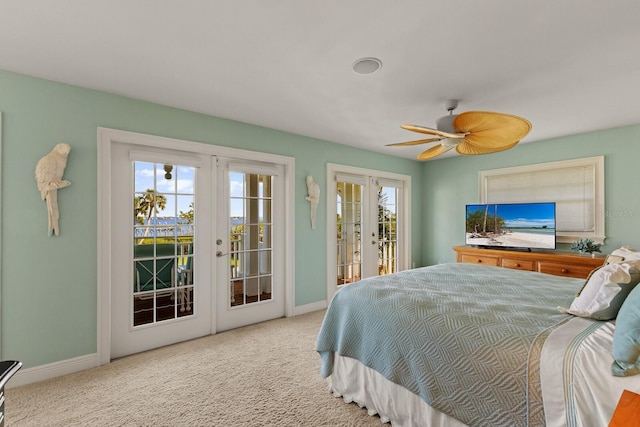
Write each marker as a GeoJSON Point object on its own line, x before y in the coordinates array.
{"type": "Point", "coordinates": [597, 166]}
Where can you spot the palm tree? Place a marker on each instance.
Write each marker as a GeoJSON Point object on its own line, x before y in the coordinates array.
{"type": "Point", "coordinates": [387, 222]}
{"type": "Point", "coordinates": [188, 215]}
{"type": "Point", "coordinates": [146, 204]}
{"type": "Point", "coordinates": [484, 225]}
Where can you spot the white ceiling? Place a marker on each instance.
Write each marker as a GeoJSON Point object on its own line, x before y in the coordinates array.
{"type": "Point", "coordinates": [568, 66]}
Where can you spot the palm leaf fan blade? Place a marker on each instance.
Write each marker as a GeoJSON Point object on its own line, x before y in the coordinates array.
{"type": "Point", "coordinates": [491, 130]}
{"type": "Point", "coordinates": [493, 139]}
{"type": "Point", "coordinates": [467, 149]}
{"type": "Point", "coordinates": [430, 131]}
{"type": "Point", "coordinates": [434, 152]}
{"type": "Point", "coordinates": [417, 142]}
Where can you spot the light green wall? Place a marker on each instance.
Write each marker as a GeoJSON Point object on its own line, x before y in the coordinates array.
{"type": "Point", "coordinates": [451, 183]}
{"type": "Point", "coordinates": [48, 295]}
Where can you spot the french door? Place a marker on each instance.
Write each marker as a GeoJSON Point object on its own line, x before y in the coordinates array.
{"type": "Point", "coordinates": [197, 245]}
{"type": "Point", "coordinates": [161, 291]}
{"type": "Point", "coordinates": [367, 223]}
{"type": "Point", "coordinates": [250, 243]}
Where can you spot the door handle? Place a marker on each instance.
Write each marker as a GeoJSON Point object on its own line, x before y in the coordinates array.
{"type": "Point", "coordinates": [219, 254]}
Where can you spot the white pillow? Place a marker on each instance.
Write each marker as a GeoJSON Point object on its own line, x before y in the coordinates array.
{"type": "Point", "coordinates": [605, 291]}
{"type": "Point", "coordinates": [627, 253]}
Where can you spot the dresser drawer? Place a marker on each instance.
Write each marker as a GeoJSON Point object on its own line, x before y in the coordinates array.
{"type": "Point", "coordinates": [517, 264]}
{"type": "Point", "coordinates": [478, 259]}
{"type": "Point", "coordinates": [579, 271]}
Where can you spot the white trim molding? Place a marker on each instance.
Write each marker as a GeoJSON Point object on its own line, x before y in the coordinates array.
{"type": "Point", "coordinates": [53, 370]}
{"type": "Point", "coordinates": [309, 308]}
{"type": "Point", "coordinates": [105, 139]}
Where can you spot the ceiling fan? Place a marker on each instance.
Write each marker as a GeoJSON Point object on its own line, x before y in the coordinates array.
{"type": "Point", "coordinates": [471, 132]}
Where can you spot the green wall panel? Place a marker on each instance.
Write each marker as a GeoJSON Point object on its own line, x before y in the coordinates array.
{"type": "Point", "coordinates": [49, 296]}
{"type": "Point", "coordinates": [451, 183]}
{"type": "Point", "coordinates": [49, 289]}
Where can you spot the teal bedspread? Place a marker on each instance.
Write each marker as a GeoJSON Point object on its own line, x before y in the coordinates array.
{"type": "Point", "coordinates": [465, 338]}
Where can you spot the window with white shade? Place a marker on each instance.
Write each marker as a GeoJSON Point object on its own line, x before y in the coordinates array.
{"type": "Point", "coordinates": [576, 186]}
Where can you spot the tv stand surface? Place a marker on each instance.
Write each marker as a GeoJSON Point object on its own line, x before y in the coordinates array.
{"type": "Point", "coordinates": [566, 264]}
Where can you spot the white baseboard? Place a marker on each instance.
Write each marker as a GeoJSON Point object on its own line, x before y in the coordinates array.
{"type": "Point", "coordinates": [308, 308]}
{"type": "Point", "coordinates": [77, 364]}
{"type": "Point", "coordinates": [52, 370]}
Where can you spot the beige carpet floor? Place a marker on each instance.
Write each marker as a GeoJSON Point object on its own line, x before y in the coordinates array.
{"type": "Point", "coordinates": [261, 375]}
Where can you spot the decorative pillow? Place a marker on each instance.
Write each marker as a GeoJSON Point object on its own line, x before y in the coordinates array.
{"type": "Point", "coordinates": [605, 290]}
{"type": "Point", "coordinates": [627, 253]}
{"type": "Point", "coordinates": [626, 337]}
{"type": "Point", "coordinates": [589, 278]}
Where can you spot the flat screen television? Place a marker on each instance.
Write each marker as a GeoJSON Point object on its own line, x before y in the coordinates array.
{"type": "Point", "coordinates": [511, 225]}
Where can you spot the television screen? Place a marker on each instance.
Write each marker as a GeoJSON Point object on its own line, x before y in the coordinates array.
{"type": "Point", "coordinates": [511, 225]}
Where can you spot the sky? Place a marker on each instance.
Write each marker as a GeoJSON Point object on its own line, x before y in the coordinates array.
{"type": "Point", "coordinates": [179, 190]}
{"type": "Point", "coordinates": [390, 202]}
{"type": "Point", "coordinates": [524, 215]}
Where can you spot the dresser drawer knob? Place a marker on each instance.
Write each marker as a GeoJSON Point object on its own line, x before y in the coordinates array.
{"type": "Point", "coordinates": [564, 270]}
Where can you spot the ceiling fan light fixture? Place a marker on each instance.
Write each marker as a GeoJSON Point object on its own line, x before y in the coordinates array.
{"type": "Point", "coordinates": [168, 168]}
{"type": "Point", "coordinates": [450, 142]}
{"type": "Point", "coordinates": [368, 65]}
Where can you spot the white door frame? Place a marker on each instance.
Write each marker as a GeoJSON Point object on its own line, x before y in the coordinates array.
{"type": "Point", "coordinates": [405, 215]}
{"type": "Point", "coordinates": [105, 138]}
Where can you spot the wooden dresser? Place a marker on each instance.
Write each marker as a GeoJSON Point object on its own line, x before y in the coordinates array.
{"type": "Point", "coordinates": [557, 263]}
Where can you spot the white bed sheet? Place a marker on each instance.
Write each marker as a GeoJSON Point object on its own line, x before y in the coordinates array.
{"type": "Point", "coordinates": [577, 386]}
{"type": "Point", "coordinates": [355, 382]}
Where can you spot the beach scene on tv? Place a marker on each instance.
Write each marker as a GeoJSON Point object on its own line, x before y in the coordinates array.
{"type": "Point", "coordinates": [525, 225]}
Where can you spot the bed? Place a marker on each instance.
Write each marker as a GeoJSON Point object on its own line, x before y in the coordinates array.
{"type": "Point", "coordinates": [463, 344]}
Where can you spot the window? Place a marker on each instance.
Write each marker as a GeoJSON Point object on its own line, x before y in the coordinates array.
{"type": "Point", "coordinates": [577, 187]}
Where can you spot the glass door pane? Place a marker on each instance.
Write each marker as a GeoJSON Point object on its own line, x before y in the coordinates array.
{"type": "Point", "coordinates": [163, 242]}
{"type": "Point", "coordinates": [387, 230]}
{"type": "Point", "coordinates": [349, 232]}
{"type": "Point", "coordinates": [250, 237]}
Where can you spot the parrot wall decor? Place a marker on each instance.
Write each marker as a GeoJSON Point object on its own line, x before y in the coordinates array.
{"type": "Point", "coordinates": [49, 171]}
{"type": "Point", "coordinates": [313, 198]}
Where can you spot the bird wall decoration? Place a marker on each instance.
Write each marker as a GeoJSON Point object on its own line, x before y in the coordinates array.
{"type": "Point", "coordinates": [49, 172]}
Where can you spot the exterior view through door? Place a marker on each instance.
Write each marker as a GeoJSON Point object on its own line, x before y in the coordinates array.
{"type": "Point", "coordinates": [250, 225]}
{"type": "Point", "coordinates": [160, 289]}
{"type": "Point", "coordinates": [249, 249]}
{"type": "Point", "coordinates": [349, 231]}
{"type": "Point", "coordinates": [370, 229]}
{"type": "Point", "coordinates": [193, 240]}
{"type": "Point", "coordinates": [163, 251]}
